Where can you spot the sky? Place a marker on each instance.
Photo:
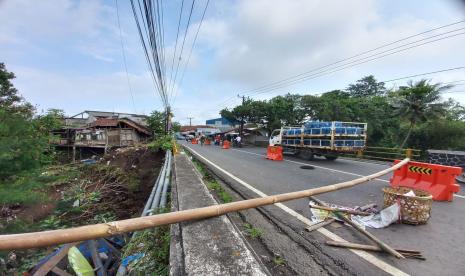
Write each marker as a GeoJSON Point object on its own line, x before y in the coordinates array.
{"type": "Point", "coordinates": [67, 54]}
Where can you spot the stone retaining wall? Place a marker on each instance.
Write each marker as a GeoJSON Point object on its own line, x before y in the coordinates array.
{"type": "Point", "coordinates": [446, 157]}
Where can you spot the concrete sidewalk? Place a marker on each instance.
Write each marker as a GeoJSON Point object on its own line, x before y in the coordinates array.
{"type": "Point", "coordinates": [210, 246]}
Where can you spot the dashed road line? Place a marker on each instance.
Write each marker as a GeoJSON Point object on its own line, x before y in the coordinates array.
{"type": "Point", "coordinates": [362, 254]}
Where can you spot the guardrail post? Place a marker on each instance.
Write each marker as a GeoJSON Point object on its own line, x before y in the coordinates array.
{"type": "Point", "coordinates": [408, 153]}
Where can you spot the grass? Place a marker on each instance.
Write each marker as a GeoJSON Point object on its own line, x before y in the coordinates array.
{"type": "Point", "coordinates": [212, 184]}
{"type": "Point", "coordinates": [222, 194]}
{"type": "Point", "coordinates": [153, 247]}
{"type": "Point", "coordinates": [252, 231]}
{"type": "Point", "coordinates": [278, 260]}
{"type": "Point", "coordinates": [31, 187]}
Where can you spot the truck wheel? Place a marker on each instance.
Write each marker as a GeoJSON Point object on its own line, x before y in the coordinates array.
{"type": "Point", "coordinates": [306, 155]}
{"type": "Point", "coordinates": [331, 157]}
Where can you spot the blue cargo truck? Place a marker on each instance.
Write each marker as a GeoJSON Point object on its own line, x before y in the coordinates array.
{"type": "Point", "coordinates": [327, 139]}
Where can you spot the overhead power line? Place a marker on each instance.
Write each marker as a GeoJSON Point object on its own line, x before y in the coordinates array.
{"type": "Point", "coordinates": [124, 57]}
{"type": "Point", "coordinates": [176, 43]}
{"type": "Point", "coordinates": [362, 61]}
{"type": "Point", "coordinates": [182, 45]}
{"type": "Point", "coordinates": [429, 73]}
{"type": "Point", "coordinates": [149, 22]}
{"type": "Point", "coordinates": [190, 52]}
{"type": "Point", "coordinates": [354, 56]}
{"type": "Point", "coordinates": [305, 76]}
{"type": "Point", "coordinates": [417, 75]}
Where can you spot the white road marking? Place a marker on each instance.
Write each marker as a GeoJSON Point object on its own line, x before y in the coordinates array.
{"type": "Point", "coordinates": [316, 166]}
{"type": "Point", "coordinates": [362, 254]}
{"type": "Point", "coordinates": [321, 167]}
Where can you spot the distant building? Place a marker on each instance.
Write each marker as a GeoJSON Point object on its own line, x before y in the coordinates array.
{"type": "Point", "coordinates": [221, 123]}
{"type": "Point", "coordinates": [87, 117]}
{"type": "Point", "coordinates": [200, 129]}
{"type": "Point", "coordinates": [101, 129]}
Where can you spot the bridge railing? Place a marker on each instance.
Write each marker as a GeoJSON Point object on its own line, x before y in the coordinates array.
{"type": "Point", "coordinates": [388, 154]}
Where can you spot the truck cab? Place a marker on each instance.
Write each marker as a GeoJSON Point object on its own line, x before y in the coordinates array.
{"type": "Point", "coordinates": [276, 137]}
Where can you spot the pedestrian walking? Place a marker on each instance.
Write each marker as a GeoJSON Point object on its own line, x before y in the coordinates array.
{"type": "Point", "coordinates": [202, 140]}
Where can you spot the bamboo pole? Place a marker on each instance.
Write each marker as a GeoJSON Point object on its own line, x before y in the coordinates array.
{"type": "Point", "coordinates": [89, 232]}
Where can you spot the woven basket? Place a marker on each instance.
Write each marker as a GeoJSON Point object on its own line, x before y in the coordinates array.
{"type": "Point", "coordinates": [414, 209]}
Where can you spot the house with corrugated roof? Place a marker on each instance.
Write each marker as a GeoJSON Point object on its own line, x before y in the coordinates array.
{"type": "Point", "coordinates": [101, 129]}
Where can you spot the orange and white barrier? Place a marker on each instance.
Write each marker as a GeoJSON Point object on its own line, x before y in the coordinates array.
{"type": "Point", "coordinates": [274, 153]}
{"type": "Point", "coordinates": [437, 179]}
{"type": "Point", "coordinates": [226, 144]}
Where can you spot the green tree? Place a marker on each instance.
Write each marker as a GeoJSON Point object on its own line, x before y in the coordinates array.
{"type": "Point", "coordinates": [367, 87]}
{"type": "Point", "coordinates": [53, 119]}
{"type": "Point", "coordinates": [156, 122]}
{"type": "Point", "coordinates": [10, 100]}
{"type": "Point", "coordinates": [22, 146]}
{"type": "Point", "coordinates": [176, 127]}
{"type": "Point", "coordinates": [419, 102]}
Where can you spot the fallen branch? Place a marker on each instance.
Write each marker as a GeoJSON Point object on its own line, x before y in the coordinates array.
{"type": "Point", "coordinates": [331, 209]}
{"type": "Point", "coordinates": [405, 252]}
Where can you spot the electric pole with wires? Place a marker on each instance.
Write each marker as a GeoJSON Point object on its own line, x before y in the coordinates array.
{"type": "Point", "coordinates": [241, 128]}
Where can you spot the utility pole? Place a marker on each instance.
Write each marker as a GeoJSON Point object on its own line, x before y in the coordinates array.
{"type": "Point", "coordinates": [190, 120]}
{"type": "Point", "coordinates": [241, 128]}
{"type": "Point", "coordinates": [168, 120]}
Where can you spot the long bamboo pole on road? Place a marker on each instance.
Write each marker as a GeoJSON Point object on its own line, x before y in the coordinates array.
{"type": "Point", "coordinates": [90, 232]}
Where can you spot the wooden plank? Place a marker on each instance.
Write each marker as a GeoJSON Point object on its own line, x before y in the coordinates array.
{"type": "Point", "coordinates": [60, 272]}
{"type": "Point", "coordinates": [53, 261]}
{"type": "Point", "coordinates": [320, 224]}
{"type": "Point", "coordinates": [98, 265]}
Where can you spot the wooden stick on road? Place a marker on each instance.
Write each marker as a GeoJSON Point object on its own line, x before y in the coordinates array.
{"type": "Point", "coordinates": [331, 209]}
{"type": "Point", "coordinates": [406, 253]}
{"type": "Point", "coordinates": [380, 243]}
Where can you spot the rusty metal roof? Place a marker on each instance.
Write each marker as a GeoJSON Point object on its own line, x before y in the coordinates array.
{"type": "Point", "coordinates": [104, 122]}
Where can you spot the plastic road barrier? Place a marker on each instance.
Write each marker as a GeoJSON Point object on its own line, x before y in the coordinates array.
{"type": "Point", "coordinates": [438, 180]}
{"type": "Point", "coordinates": [207, 142]}
{"type": "Point", "coordinates": [226, 144]}
{"type": "Point", "coordinates": [194, 141]}
{"type": "Point", "coordinates": [274, 153]}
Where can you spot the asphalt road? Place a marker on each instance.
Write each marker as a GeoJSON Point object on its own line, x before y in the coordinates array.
{"type": "Point", "coordinates": [441, 240]}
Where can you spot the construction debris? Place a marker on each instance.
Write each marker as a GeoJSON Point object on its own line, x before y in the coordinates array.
{"type": "Point", "coordinates": [406, 253]}
{"type": "Point", "coordinates": [348, 211]}
{"type": "Point", "coordinates": [320, 224]}
{"type": "Point", "coordinates": [380, 243]}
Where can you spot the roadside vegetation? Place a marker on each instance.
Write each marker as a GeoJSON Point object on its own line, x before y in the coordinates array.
{"type": "Point", "coordinates": [151, 250]}
{"type": "Point", "coordinates": [253, 232]}
{"type": "Point", "coordinates": [37, 192]}
{"type": "Point", "coordinates": [413, 116]}
{"type": "Point", "coordinates": [212, 184]}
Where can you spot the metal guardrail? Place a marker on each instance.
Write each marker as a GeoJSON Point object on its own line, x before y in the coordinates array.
{"type": "Point", "coordinates": [157, 198]}
{"type": "Point", "coordinates": [388, 154]}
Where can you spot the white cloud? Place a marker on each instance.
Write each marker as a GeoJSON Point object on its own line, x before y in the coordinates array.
{"type": "Point", "coordinates": [77, 92]}
{"type": "Point", "coordinates": [266, 41]}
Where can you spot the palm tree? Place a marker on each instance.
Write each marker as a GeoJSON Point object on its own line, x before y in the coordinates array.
{"type": "Point", "coordinates": [419, 102]}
